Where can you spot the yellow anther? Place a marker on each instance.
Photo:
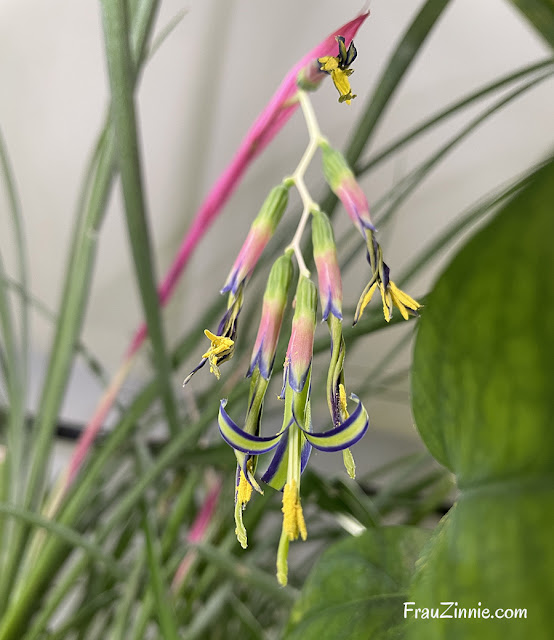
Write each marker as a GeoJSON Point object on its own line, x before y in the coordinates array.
{"type": "Point", "coordinates": [244, 489]}
{"type": "Point", "coordinates": [221, 349]}
{"type": "Point", "coordinates": [342, 401]}
{"type": "Point", "coordinates": [342, 83]}
{"type": "Point", "coordinates": [293, 518]}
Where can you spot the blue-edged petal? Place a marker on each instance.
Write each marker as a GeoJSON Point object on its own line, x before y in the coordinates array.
{"type": "Point", "coordinates": [240, 439]}
{"type": "Point", "coordinates": [344, 435]}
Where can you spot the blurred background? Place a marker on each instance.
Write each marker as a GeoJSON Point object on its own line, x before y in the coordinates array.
{"type": "Point", "coordinates": [196, 100]}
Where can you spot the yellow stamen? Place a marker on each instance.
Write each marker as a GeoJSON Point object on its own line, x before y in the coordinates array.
{"type": "Point", "coordinates": [293, 518]}
{"type": "Point", "coordinates": [328, 63]}
{"type": "Point", "coordinates": [347, 457]}
{"type": "Point", "coordinates": [342, 83]}
{"type": "Point", "coordinates": [342, 401]}
{"type": "Point", "coordinates": [244, 489]}
{"type": "Point", "coordinates": [221, 347]}
{"type": "Point", "coordinates": [387, 302]}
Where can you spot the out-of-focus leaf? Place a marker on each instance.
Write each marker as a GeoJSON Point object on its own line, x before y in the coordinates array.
{"type": "Point", "coordinates": [357, 588]}
{"type": "Point", "coordinates": [483, 402]}
{"type": "Point", "coordinates": [540, 14]}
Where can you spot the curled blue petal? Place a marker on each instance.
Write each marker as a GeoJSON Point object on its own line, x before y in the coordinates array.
{"type": "Point", "coordinates": [240, 440]}
{"type": "Point", "coordinates": [344, 435]}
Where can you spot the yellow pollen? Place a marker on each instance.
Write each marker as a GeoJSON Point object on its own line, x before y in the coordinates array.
{"type": "Point", "coordinates": [293, 518]}
{"type": "Point", "coordinates": [244, 489]}
{"type": "Point", "coordinates": [220, 348]}
{"type": "Point", "coordinates": [342, 401]}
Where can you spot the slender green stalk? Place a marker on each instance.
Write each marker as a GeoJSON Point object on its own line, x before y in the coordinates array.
{"type": "Point", "coordinates": [541, 15]}
{"type": "Point", "coordinates": [451, 110]}
{"type": "Point", "coordinates": [21, 254]}
{"type": "Point", "coordinates": [164, 613]}
{"type": "Point", "coordinates": [120, 71]}
{"type": "Point", "coordinates": [68, 535]}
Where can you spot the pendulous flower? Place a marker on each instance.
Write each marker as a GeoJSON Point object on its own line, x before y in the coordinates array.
{"type": "Point", "coordinates": [294, 441]}
{"type": "Point", "coordinates": [339, 69]}
{"type": "Point", "coordinates": [262, 229]}
{"type": "Point", "coordinates": [261, 366]}
{"type": "Point", "coordinates": [260, 233]}
{"type": "Point", "coordinates": [343, 183]}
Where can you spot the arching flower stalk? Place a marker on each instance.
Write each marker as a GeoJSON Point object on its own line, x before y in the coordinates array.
{"type": "Point", "coordinates": [292, 444]}
{"type": "Point", "coordinates": [343, 183]}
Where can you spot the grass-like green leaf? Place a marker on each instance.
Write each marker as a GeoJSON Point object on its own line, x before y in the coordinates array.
{"type": "Point", "coordinates": [122, 82]}
{"type": "Point", "coordinates": [451, 110]}
{"type": "Point", "coordinates": [401, 60]}
{"type": "Point", "coordinates": [540, 14]}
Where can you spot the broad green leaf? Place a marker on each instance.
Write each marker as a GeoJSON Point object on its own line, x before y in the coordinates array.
{"type": "Point", "coordinates": [358, 587]}
{"type": "Point", "coordinates": [495, 548]}
{"type": "Point", "coordinates": [540, 14]}
{"type": "Point", "coordinates": [482, 375]}
{"type": "Point", "coordinates": [483, 403]}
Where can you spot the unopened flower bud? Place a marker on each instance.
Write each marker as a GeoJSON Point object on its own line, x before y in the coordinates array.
{"type": "Point", "coordinates": [273, 309]}
{"type": "Point", "coordinates": [343, 183]}
{"type": "Point", "coordinates": [328, 271]}
{"type": "Point", "coordinates": [300, 350]}
{"type": "Point", "coordinates": [260, 233]}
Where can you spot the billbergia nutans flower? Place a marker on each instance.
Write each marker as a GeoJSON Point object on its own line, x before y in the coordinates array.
{"type": "Point", "coordinates": [292, 444]}
{"type": "Point", "coordinates": [267, 125]}
{"type": "Point", "coordinates": [262, 229]}
{"type": "Point", "coordinates": [343, 183]}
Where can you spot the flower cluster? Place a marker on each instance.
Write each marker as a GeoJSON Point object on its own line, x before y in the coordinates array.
{"type": "Point", "coordinates": [292, 444]}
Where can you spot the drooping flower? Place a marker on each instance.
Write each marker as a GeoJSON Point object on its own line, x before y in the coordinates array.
{"type": "Point", "coordinates": [294, 441]}
{"type": "Point", "coordinates": [261, 366]}
{"type": "Point", "coordinates": [339, 69]}
{"type": "Point", "coordinates": [326, 261]}
{"type": "Point", "coordinates": [222, 345]}
{"type": "Point", "coordinates": [262, 229]}
{"type": "Point", "coordinates": [330, 292]}
{"type": "Point", "coordinates": [343, 183]}
{"type": "Point", "coordinates": [273, 308]}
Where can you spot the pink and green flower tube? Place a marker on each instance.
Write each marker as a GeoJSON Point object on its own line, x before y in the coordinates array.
{"type": "Point", "coordinates": [263, 356]}
{"type": "Point", "coordinates": [344, 185]}
{"type": "Point", "coordinates": [300, 350]}
{"type": "Point", "coordinates": [326, 261]}
{"type": "Point", "coordinates": [273, 309]}
{"type": "Point", "coordinates": [260, 234]}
